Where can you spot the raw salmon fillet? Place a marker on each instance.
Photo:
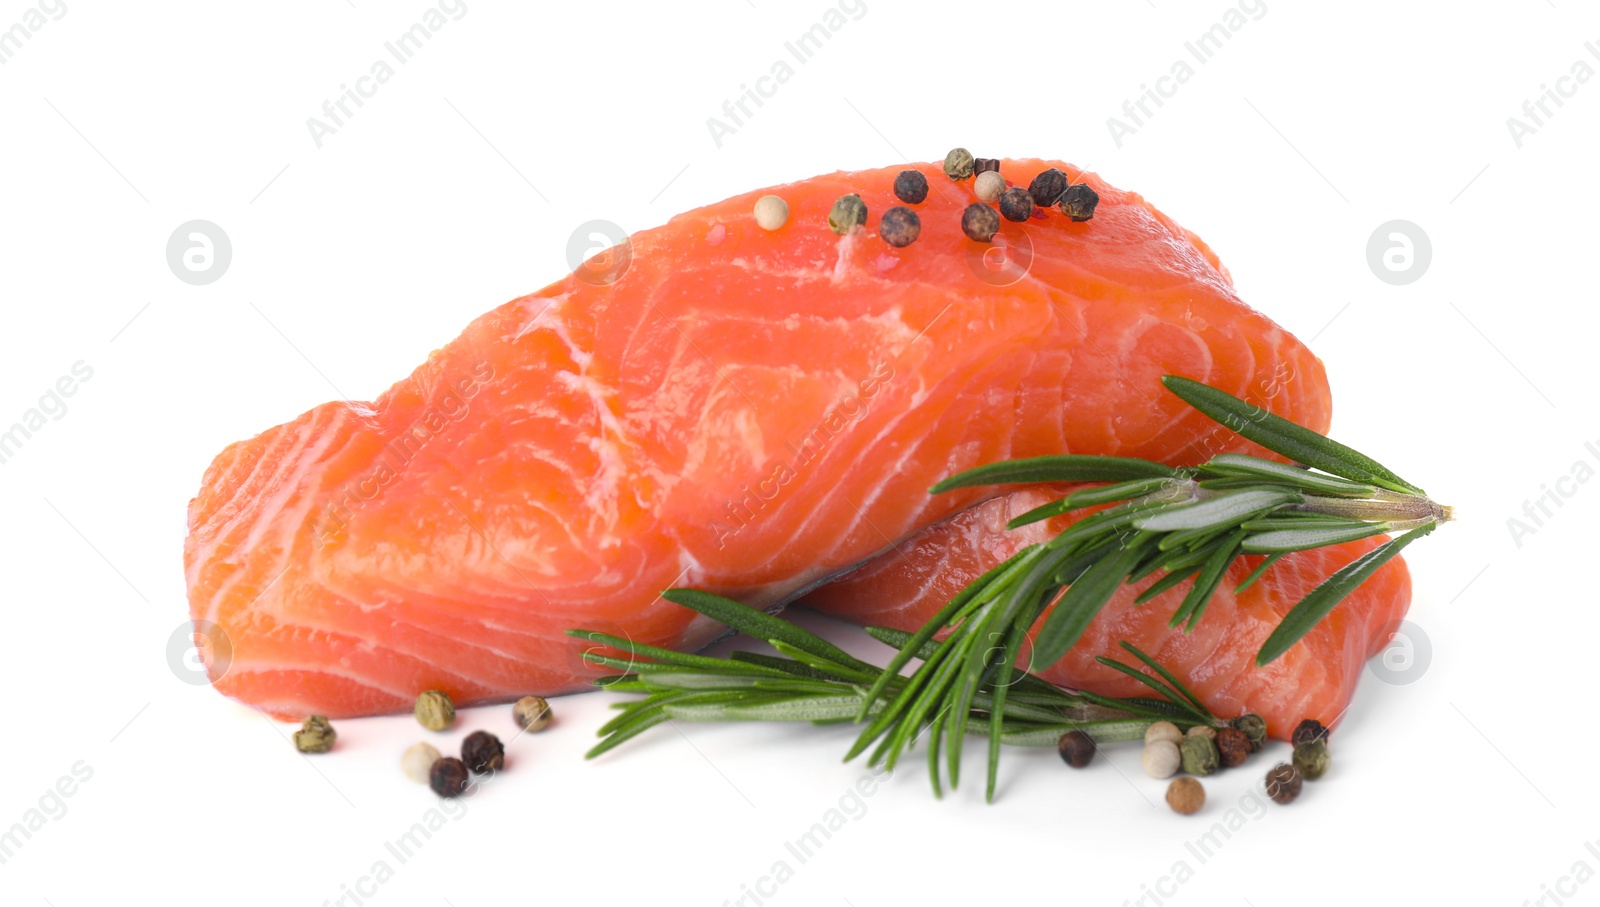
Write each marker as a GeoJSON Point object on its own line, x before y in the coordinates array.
{"type": "Point", "coordinates": [1314, 679]}
{"type": "Point", "coordinates": [742, 411]}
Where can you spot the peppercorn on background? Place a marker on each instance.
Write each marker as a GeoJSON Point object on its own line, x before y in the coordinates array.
{"type": "Point", "coordinates": [214, 214]}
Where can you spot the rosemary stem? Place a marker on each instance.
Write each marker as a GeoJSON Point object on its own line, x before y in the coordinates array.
{"type": "Point", "coordinates": [1394, 508]}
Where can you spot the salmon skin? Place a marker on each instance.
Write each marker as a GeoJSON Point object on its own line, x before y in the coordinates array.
{"type": "Point", "coordinates": [742, 411]}
{"type": "Point", "coordinates": [1314, 679]}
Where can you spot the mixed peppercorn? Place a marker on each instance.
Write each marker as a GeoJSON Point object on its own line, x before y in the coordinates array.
{"type": "Point", "coordinates": [900, 226]}
{"type": "Point", "coordinates": [1185, 757]}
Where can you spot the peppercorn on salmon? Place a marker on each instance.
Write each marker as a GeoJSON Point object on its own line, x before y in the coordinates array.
{"type": "Point", "coordinates": [1314, 679]}
{"type": "Point", "coordinates": [745, 411]}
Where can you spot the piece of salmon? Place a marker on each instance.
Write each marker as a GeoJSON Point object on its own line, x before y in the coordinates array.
{"type": "Point", "coordinates": [718, 406]}
{"type": "Point", "coordinates": [904, 588]}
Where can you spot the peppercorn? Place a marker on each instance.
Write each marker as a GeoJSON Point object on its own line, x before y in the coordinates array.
{"type": "Point", "coordinates": [1254, 727]}
{"type": "Point", "coordinates": [1307, 731]}
{"type": "Point", "coordinates": [985, 165]}
{"type": "Point", "coordinates": [771, 212]}
{"type": "Point", "coordinates": [483, 752]}
{"type": "Point", "coordinates": [980, 222]}
{"type": "Point", "coordinates": [1203, 730]}
{"type": "Point", "coordinates": [417, 761]}
{"type": "Point", "coordinates": [1076, 748]}
{"type": "Point", "coordinates": [849, 212]}
{"type": "Point", "coordinates": [899, 226]}
{"type": "Point", "coordinates": [1162, 730]}
{"type": "Point", "coordinates": [1016, 204]}
{"type": "Point", "coordinates": [1311, 759]}
{"type": "Point", "coordinates": [1047, 187]}
{"type": "Point", "coordinates": [1078, 202]}
{"type": "Point", "coordinates": [1200, 756]}
{"type": "Point", "coordinates": [434, 710]}
{"type": "Point", "coordinates": [532, 713]}
{"type": "Point", "coordinates": [316, 735]}
{"type": "Point", "coordinates": [1186, 795]}
{"type": "Point", "coordinates": [1233, 747]}
{"type": "Point", "coordinates": [1161, 759]}
{"type": "Point", "coordinates": [988, 186]}
{"type": "Point", "coordinates": [1283, 783]}
{"type": "Point", "coordinates": [448, 777]}
{"type": "Point", "coordinates": [958, 164]}
{"type": "Point", "coordinates": [911, 187]}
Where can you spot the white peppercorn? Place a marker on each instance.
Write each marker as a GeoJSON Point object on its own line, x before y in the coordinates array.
{"type": "Point", "coordinates": [1161, 759]}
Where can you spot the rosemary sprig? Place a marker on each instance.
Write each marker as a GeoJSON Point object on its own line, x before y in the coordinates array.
{"type": "Point", "coordinates": [801, 685]}
{"type": "Point", "coordinates": [1189, 524]}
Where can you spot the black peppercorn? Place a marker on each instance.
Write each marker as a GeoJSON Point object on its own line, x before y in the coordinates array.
{"type": "Point", "coordinates": [448, 777]}
{"type": "Point", "coordinates": [1047, 187]}
{"type": "Point", "coordinates": [1016, 203]}
{"type": "Point", "coordinates": [1233, 747]}
{"type": "Point", "coordinates": [980, 222]}
{"type": "Point", "coordinates": [1283, 783]}
{"type": "Point", "coordinates": [899, 226]}
{"type": "Point", "coordinates": [985, 164]}
{"type": "Point", "coordinates": [1307, 731]}
{"type": "Point", "coordinates": [911, 187]}
{"type": "Point", "coordinates": [1079, 201]}
{"type": "Point", "coordinates": [483, 752]}
{"type": "Point", "coordinates": [1077, 748]}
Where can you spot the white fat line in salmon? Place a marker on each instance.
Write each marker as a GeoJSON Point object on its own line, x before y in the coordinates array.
{"type": "Point", "coordinates": [451, 406]}
{"type": "Point", "coordinates": [850, 807]}
{"type": "Point", "coordinates": [802, 48]}
{"type": "Point", "coordinates": [401, 49]}
{"type": "Point", "coordinates": [1202, 49]}
{"type": "Point", "coordinates": [52, 403]}
{"type": "Point", "coordinates": [11, 39]}
{"type": "Point", "coordinates": [52, 805]}
{"type": "Point", "coordinates": [851, 409]}
{"type": "Point", "coordinates": [1201, 850]}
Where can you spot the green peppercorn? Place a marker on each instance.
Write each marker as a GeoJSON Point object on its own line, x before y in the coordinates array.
{"type": "Point", "coordinates": [958, 164]}
{"type": "Point", "coordinates": [1079, 202]}
{"type": "Point", "coordinates": [1200, 756]}
{"type": "Point", "coordinates": [483, 752]}
{"type": "Point", "coordinates": [1283, 783]}
{"type": "Point", "coordinates": [899, 226]}
{"type": "Point", "coordinates": [316, 735]}
{"type": "Point", "coordinates": [911, 187]}
{"type": "Point", "coordinates": [980, 222]}
{"type": "Point", "coordinates": [1307, 731]}
{"type": "Point", "coordinates": [532, 713]}
{"type": "Point", "coordinates": [849, 212]}
{"type": "Point", "coordinates": [1016, 204]}
{"type": "Point", "coordinates": [1255, 728]}
{"type": "Point", "coordinates": [1047, 187]}
{"type": "Point", "coordinates": [448, 777]}
{"type": "Point", "coordinates": [1233, 747]}
{"type": "Point", "coordinates": [434, 710]}
{"type": "Point", "coordinates": [1311, 759]}
{"type": "Point", "coordinates": [1076, 748]}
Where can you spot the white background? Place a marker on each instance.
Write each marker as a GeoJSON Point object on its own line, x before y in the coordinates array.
{"type": "Point", "coordinates": [457, 187]}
